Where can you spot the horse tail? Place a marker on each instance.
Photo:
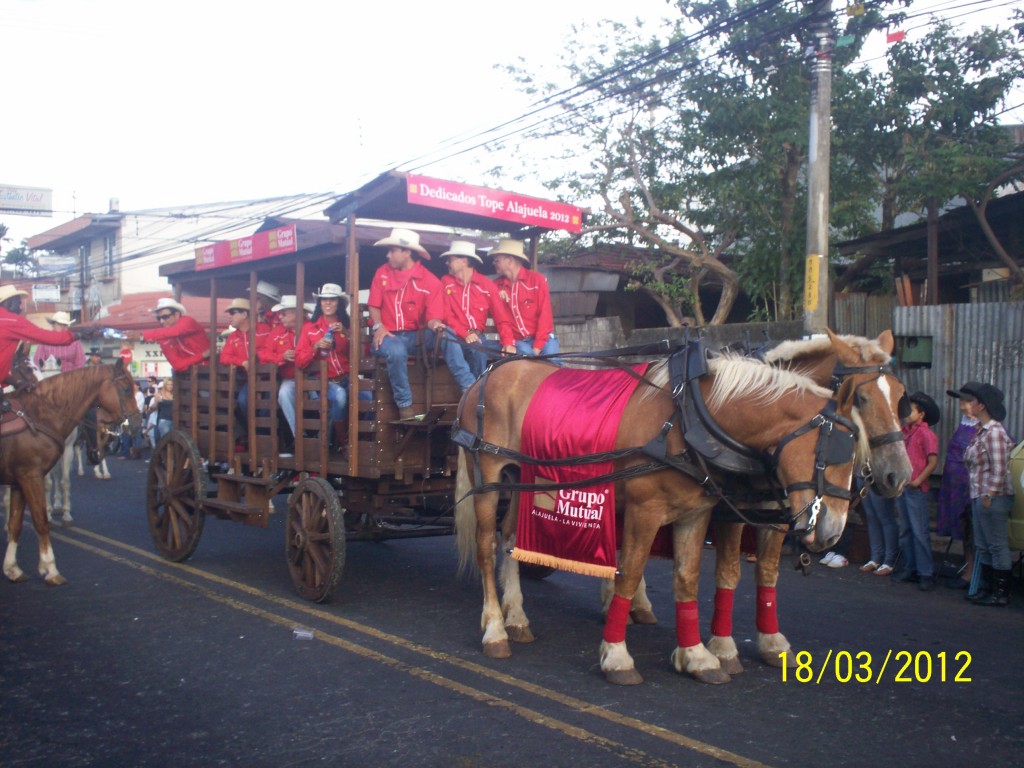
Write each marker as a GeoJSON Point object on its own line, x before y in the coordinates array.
{"type": "Point", "coordinates": [465, 517]}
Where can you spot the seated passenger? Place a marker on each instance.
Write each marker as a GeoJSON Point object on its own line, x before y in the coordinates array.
{"type": "Point", "coordinates": [325, 337]}
{"type": "Point", "coordinates": [529, 301]}
{"type": "Point", "coordinates": [236, 346]}
{"type": "Point", "coordinates": [279, 350]}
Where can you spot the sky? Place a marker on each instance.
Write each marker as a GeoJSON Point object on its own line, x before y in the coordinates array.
{"type": "Point", "coordinates": [168, 104]}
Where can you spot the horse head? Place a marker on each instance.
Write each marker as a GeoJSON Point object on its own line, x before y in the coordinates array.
{"type": "Point", "coordinates": [874, 398]}
{"type": "Point", "coordinates": [115, 401]}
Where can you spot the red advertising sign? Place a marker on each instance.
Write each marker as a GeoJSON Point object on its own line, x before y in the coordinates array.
{"type": "Point", "coordinates": [508, 206]}
{"type": "Point", "coordinates": [262, 245]}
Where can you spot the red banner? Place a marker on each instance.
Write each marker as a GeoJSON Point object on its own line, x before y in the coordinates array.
{"type": "Point", "coordinates": [262, 245]}
{"type": "Point", "coordinates": [507, 206]}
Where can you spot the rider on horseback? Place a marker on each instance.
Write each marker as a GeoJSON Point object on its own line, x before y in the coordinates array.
{"type": "Point", "coordinates": [15, 329]}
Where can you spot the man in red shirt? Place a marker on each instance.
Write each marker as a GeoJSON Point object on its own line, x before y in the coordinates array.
{"type": "Point", "coordinates": [15, 329]}
{"type": "Point", "coordinates": [469, 300]}
{"type": "Point", "coordinates": [236, 347]}
{"type": "Point", "coordinates": [182, 339]}
{"type": "Point", "coordinates": [279, 350]}
{"type": "Point", "coordinates": [404, 298]}
{"type": "Point", "coordinates": [525, 292]}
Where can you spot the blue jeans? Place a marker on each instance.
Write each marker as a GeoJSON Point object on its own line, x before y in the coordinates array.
{"type": "Point", "coordinates": [396, 349]}
{"type": "Point", "coordinates": [525, 346]}
{"type": "Point", "coordinates": [883, 531]}
{"type": "Point", "coordinates": [467, 365]}
{"type": "Point", "coordinates": [337, 395]}
{"type": "Point", "coordinates": [915, 540]}
{"type": "Point", "coordinates": [286, 401]}
{"type": "Point", "coordinates": [991, 531]}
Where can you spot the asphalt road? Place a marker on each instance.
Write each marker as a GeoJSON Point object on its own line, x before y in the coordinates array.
{"type": "Point", "coordinates": [141, 662]}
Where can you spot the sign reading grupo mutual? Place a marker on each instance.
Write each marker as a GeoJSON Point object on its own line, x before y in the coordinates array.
{"type": "Point", "coordinates": [508, 206]}
{"type": "Point", "coordinates": [26, 201]}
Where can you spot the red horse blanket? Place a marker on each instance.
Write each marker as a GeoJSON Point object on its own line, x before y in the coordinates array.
{"type": "Point", "coordinates": [572, 413]}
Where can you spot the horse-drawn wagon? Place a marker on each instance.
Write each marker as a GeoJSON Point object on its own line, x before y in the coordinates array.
{"type": "Point", "coordinates": [385, 478]}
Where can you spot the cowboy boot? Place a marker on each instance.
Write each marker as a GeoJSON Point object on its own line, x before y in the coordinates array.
{"type": "Point", "coordinates": [339, 435]}
{"type": "Point", "coordinates": [1000, 594]}
{"type": "Point", "coordinates": [984, 587]}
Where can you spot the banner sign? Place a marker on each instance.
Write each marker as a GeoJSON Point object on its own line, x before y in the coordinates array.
{"type": "Point", "coordinates": [46, 292]}
{"type": "Point", "coordinates": [262, 245]}
{"type": "Point", "coordinates": [508, 206]}
{"type": "Point", "coordinates": [26, 201]}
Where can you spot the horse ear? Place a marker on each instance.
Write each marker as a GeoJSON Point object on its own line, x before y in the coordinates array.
{"type": "Point", "coordinates": [886, 342]}
{"type": "Point", "coordinates": [845, 352]}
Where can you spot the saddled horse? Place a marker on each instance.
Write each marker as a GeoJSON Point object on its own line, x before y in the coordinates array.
{"type": "Point", "coordinates": [775, 412]}
{"type": "Point", "coordinates": [58, 479]}
{"type": "Point", "coordinates": [868, 394]}
{"type": "Point", "coordinates": [51, 410]}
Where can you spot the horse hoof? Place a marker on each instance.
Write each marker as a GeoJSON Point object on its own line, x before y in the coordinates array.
{"type": "Point", "coordinates": [731, 666]}
{"type": "Point", "coordinates": [519, 634]}
{"type": "Point", "coordinates": [67, 522]}
{"type": "Point", "coordinates": [497, 650]}
{"type": "Point", "coordinates": [81, 474]}
{"type": "Point", "coordinates": [55, 581]}
{"type": "Point", "coordinates": [773, 660]}
{"type": "Point", "coordinates": [643, 616]}
{"type": "Point", "coordinates": [623, 677]}
{"type": "Point", "coordinates": [21, 577]}
{"type": "Point", "coordinates": [711, 676]}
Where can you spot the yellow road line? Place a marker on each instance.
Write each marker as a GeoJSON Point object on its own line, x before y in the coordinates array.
{"type": "Point", "coordinates": [570, 702]}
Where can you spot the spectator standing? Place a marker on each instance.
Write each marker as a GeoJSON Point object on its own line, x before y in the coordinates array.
{"type": "Point", "coordinates": [404, 299]}
{"type": "Point", "coordinates": [526, 294]}
{"type": "Point", "coordinates": [954, 516]}
{"type": "Point", "coordinates": [883, 533]}
{"type": "Point", "coordinates": [986, 458]}
{"type": "Point", "coordinates": [912, 504]}
{"type": "Point", "coordinates": [70, 357]}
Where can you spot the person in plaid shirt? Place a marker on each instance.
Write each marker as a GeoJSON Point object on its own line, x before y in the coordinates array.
{"type": "Point", "coordinates": [986, 458]}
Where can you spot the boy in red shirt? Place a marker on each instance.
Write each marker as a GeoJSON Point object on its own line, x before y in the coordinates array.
{"type": "Point", "coordinates": [912, 504]}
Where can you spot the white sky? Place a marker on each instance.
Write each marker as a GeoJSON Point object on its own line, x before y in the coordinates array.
{"type": "Point", "coordinates": [165, 104]}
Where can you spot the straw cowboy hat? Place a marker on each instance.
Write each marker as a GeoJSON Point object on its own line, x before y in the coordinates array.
{"type": "Point", "coordinates": [310, 307]}
{"type": "Point", "coordinates": [9, 292]}
{"type": "Point", "coordinates": [928, 406]}
{"type": "Point", "coordinates": [271, 291]}
{"type": "Point", "coordinates": [61, 317]}
{"type": "Point", "coordinates": [240, 305]}
{"type": "Point", "coordinates": [462, 248]}
{"type": "Point", "coordinates": [288, 301]}
{"type": "Point", "coordinates": [405, 238]}
{"type": "Point", "coordinates": [168, 303]}
{"type": "Point", "coordinates": [331, 291]}
{"type": "Point", "coordinates": [989, 396]}
{"type": "Point", "coordinates": [510, 248]}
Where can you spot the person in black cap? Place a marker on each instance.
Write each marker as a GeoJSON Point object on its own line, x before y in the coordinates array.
{"type": "Point", "coordinates": [912, 504]}
{"type": "Point", "coordinates": [95, 356]}
{"type": "Point", "coordinates": [986, 458]}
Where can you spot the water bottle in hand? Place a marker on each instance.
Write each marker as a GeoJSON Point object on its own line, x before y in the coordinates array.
{"type": "Point", "coordinates": [328, 337]}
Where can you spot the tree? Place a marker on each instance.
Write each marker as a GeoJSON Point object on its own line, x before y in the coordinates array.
{"type": "Point", "coordinates": [20, 261]}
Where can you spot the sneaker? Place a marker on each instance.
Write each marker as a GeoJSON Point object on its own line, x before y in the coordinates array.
{"type": "Point", "coordinates": [285, 455]}
{"type": "Point", "coordinates": [883, 570]}
{"type": "Point", "coordinates": [827, 558]}
{"type": "Point", "coordinates": [838, 562]}
{"type": "Point", "coordinates": [869, 566]}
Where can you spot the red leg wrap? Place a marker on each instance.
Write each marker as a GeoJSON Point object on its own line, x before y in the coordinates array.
{"type": "Point", "coordinates": [767, 618]}
{"type": "Point", "coordinates": [687, 626]}
{"type": "Point", "coordinates": [615, 624]}
{"type": "Point", "coordinates": [721, 621]}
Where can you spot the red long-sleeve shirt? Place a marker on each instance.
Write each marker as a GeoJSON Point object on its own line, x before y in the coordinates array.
{"type": "Point", "coordinates": [529, 302]}
{"type": "Point", "coordinates": [15, 329]}
{"type": "Point", "coordinates": [279, 341]}
{"type": "Point", "coordinates": [407, 298]}
{"type": "Point", "coordinates": [183, 343]}
{"type": "Point", "coordinates": [236, 347]}
{"type": "Point", "coordinates": [468, 305]}
{"type": "Point", "coordinates": [306, 353]}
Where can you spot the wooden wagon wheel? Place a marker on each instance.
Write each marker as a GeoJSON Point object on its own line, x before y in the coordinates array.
{"type": "Point", "coordinates": [176, 488]}
{"type": "Point", "coordinates": [315, 539]}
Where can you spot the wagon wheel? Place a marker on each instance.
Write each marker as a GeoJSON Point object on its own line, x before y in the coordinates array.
{"type": "Point", "coordinates": [176, 488]}
{"type": "Point", "coordinates": [315, 539]}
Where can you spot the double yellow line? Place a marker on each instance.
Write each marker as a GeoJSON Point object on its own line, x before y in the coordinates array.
{"type": "Point", "coordinates": [166, 573]}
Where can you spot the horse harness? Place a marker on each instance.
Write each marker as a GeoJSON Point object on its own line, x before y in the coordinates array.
{"type": "Point", "coordinates": [709, 449]}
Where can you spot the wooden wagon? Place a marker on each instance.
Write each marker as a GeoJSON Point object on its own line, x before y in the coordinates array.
{"type": "Point", "coordinates": [392, 479]}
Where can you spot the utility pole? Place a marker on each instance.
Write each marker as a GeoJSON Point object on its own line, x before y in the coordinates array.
{"type": "Point", "coordinates": [816, 282]}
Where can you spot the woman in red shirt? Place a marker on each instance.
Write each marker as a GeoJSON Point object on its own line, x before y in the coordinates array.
{"type": "Point", "coordinates": [325, 337]}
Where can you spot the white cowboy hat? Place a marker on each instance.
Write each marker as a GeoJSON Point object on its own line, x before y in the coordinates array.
{"type": "Point", "coordinates": [330, 291]}
{"type": "Point", "coordinates": [61, 317]}
{"type": "Point", "coordinates": [405, 238]}
{"type": "Point", "coordinates": [168, 303]}
{"type": "Point", "coordinates": [462, 248]}
{"type": "Point", "coordinates": [271, 291]}
{"type": "Point", "coordinates": [242, 304]}
{"type": "Point", "coordinates": [510, 248]}
{"type": "Point", "coordinates": [9, 292]}
{"type": "Point", "coordinates": [288, 301]}
{"type": "Point", "coordinates": [310, 308]}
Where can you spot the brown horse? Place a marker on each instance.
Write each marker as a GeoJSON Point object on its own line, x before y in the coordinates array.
{"type": "Point", "coordinates": [52, 410]}
{"type": "Point", "coordinates": [869, 395]}
{"type": "Point", "coordinates": [767, 409]}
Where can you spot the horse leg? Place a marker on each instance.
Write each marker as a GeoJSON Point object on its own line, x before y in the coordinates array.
{"type": "Point", "coordinates": [65, 482]}
{"type": "Point", "coordinates": [517, 625]}
{"type": "Point", "coordinates": [640, 609]}
{"type": "Point", "coordinates": [106, 472]}
{"type": "Point", "coordinates": [78, 458]}
{"type": "Point", "coordinates": [35, 500]}
{"type": "Point", "coordinates": [770, 642]}
{"type": "Point", "coordinates": [690, 655]}
{"type": "Point", "coordinates": [50, 490]}
{"type": "Point", "coordinates": [15, 514]}
{"type": "Point", "coordinates": [727, 577]}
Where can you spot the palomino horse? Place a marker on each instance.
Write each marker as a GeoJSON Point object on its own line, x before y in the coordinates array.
{"type": "Point", "coordinates": [869, 395]}
{"type": "Point", "coordinates": [52, 410]}
{"type": "Point", "coordinates": [769, 410]}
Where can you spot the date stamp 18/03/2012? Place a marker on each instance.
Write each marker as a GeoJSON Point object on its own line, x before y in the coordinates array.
{"type": "Point", "coordinates": [866, 667]}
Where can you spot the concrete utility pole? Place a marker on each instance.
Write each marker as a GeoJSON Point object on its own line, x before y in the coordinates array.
{"type": "Point", "coordinates": [816, 283]}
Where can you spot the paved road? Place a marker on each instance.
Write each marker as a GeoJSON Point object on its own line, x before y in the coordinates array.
{"type": "Point", "coordinates": [141, 662]}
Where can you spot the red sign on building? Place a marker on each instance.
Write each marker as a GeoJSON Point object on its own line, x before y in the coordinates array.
{"type": "Point", "coordinates": [262, 245]}
{"type": "Point", "coordinates": [508, 206]}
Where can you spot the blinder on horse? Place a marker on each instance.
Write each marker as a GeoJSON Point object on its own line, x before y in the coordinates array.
{"type": "Point", "coordinates": [839, 379]}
